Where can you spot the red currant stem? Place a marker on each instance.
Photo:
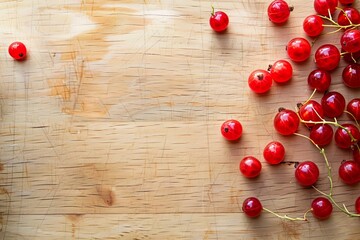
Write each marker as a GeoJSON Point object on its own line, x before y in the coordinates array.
{"type": "Point", "coordinates": [353, 117]}
{"type": "Point", "coordinates": [213, 10]}
{"type": "Point", "coordinates": [311, 96]}
{"type": "Point", "coordinates": [347, 17]}
{"type": "Point", "coordinates": [287, 217]}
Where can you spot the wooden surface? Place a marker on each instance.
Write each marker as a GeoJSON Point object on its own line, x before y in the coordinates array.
{"type": "Point", "coordinates": [110, 128]}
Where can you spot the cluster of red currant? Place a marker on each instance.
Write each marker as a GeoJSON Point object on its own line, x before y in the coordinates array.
{"type": "Point", "coordinates": [320, 117]}
{"type": "Point", "coordinates": [17, 50]}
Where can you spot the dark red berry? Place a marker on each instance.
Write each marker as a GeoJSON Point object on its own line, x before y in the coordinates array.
{"type": "Point", "coordinates": [321, 208]}
{"type": "Point", "coordinates": [307, 173]}
{"type": "Point", "coordinates": [320, 80]}
{"type": "Point", "coordinates": [353, 107]}
{"type": "Point", "coordinates": [252, 207]}
{"type": "Point", "coordinates": [333, 104]}
{"type": "Point", "coordinates": [351, 75]}
{"type": "Point", "coordinates": [286, 122]}
{"type": "Point", "coordinates": [349, 172]}
{"type": "Point", "coordinates": [321, 134]}
{"type": "Point", "coordinates": [250, 167]}
{"type": "Point", "coordinates": [274, 152]}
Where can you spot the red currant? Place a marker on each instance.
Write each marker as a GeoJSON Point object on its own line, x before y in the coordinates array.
{"type": "Point", "coordinates": [219, 21]}
{"type": "Point", "coordinates": [274, 152]}
{"type": "Point", "coordinates": [347, 14]}
{"type": "Point", "coordinates": [313, 25]}
{"type": "Point", "coordinates": [17, 50]}
{"type": "Point", "coordinates": [320, 80]}
{"type": "Point", "coordinates": [353, 107]}
{"type": "Point", "coordinates": [250, 167]}
{"type": "Point", "coordinates": [350, 57]}
{"type": "Point", "coordinates": [279, 11]}
{"type": "Point", "coordinates": [346, 2]}
{"type": "Point", "coordinates": [351, 75]}
{"type": "Point", "coordinates": [327, 57]}
{"type": "Point", "coordinates": [350, 40]}
{"type": "Point", "coordinates": [357, 205]}
{"type": "Point", "coordinates": [231, 130]}
{"type": "Point", "coordinates": [252, 207]}
{"type": "Point", "coordinates": [349, 172]}
{"type": "Point", "coordinates": [307, 173]}
{"type": "Point", "coordinates": [286, 122]}
{"type": "Point", "coordinates": [345, 138]}
{"type": "Point", "coordinates": [311, 111]}
{"type": "Point", "coordinates": [356, 154]}
{"type": "Point", "coordinates": [321, 134]}
{"type": "Point", "coordinates": [333, 104]}
{"type": "Point", "coordinates": [281, 71]}
{"type": "Point", "coordinates": [323, 7]}
{"type": "Point", "coordinates": [321, 208]}
{"type": "Point", "coordinates": [298, 49]}
{"type": "Point", "coordinates": [260, 81]}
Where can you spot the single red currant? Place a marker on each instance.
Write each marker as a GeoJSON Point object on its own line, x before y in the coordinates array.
{"type": "Point", "coordinates": [327, 57]}
{"type": "Point", "coordinates": [231, 129]}
{"type": "Point", "coordinates": [350, 40]}
{"type": "Point", "coordinates": [274, 152]}
{"type": "Point", "coordinates": [311, 111]}
{"type": "Point", "coordinates": [298, 49]}
{"type": "Point", "coordinates": [219, 21]}
{"type": "Point", "coordinates": [250, 167]}
{"type": "Point", "coordinates": [346, 2]}
{"type": "Point", "coordinates": [17, 50]}
{"type": "Point", "coordinates": [307, 173]}
{"type": "Point", "coordinates": [260, 81]}
{"type": "Point", "coordinates": [356, 154]}
{"type": "Point", "coordinates": [252, 207]}
{"type": "Point", "coordinates": [320, 80]}
{"type": "Point", "coordinates": [321, 208]}
{"type": "Point", "coordinates": [324, 7]}
{"type": "Point", "coordinates": [351, 75]}
{"type": "Point", "coordinates": [313, 25]}
{"type": "Point", "coordinates": [281, 71]}
{"type": "Point", "coordinates": [279, 11]}
{"type": "Point", "coordinates": [347, 14]}
{"type": "Point", "coordinates": [350, 57]}
{"type": "Point", "coordinates": [321, 134]}
{"type": "Point", "coordinates": [347, 135]}
{"type": "Point", "coordinates": [357, 205]}
{"type": "Point", "coordinates": [353, 107]}
{"type": "Point", "coordinates": [349, 172]}
{"type": "Point", "coordinates": [286, 122]}
{"type": "Point", "coordinates": [333, 104]}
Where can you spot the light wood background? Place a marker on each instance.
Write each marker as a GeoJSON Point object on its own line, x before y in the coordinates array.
{"type": "Point", "coordinates": [110, 128]}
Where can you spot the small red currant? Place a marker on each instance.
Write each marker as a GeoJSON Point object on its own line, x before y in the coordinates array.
{"type": "Point", "coordinates": [250, 167]}
{"type": "Point", "coordinates": [357, 205]}
{"type": "Point", "coordinates": [321, 208]}
{"type": "Point", "coordinates": [252, 207]}
{"type": "Point", "coordinates": [274, 152]}
{"type": "Point", "coordinates": [231, 129]}
{"type": "Point", "coordinates": [307, 173]}
{"type": "Point", "coordinates": [17, 50]}
{"type": "Point", "coordinates": [351, 75]}
{"type": "Point", "coordinates": [350, 57]}
{"type": "Point", "coordinates": [311, 111]}
{"type": "Point", "coordinates": [219, 21]}
{"type": "Point", "coordinates": [281, 71]}
{"type": "Point", "coordinates": [323, 7]}
{"type": "Point", "coordinates": [298, 49]}
{"type": "Point", "coordinates": [327, 57]}
{"type": "Point", "coordinates": [279, 11]}
{"type": "Point", "coordinates": [286, 122]}
{"type": "Point", "coordinates": [333, 104]}
{"type": "Point", "coordinates": [347, 14]}
{"type": "Point", "coordinates": [260, 81]}
{"type": "Point", "coordinates": [313, 25]}
{"type": "Point", "coordinates": [356, 154]}
{"type": "Point", "coordinates": [349, 172]}
{"type": "Point", "coordinates": [320, 80]}
{"type": "Point", "coordinates": [350, 40]}
{"type": "Point", "coordinates": [353, 107]}
{"type": "Point", "coordinates": [345, 138]}
{"type": "Point", "coordinates": [321, 134]}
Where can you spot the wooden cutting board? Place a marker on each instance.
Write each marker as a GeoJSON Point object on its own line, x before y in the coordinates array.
{"type": "Point", "coordinates": [110, 128]}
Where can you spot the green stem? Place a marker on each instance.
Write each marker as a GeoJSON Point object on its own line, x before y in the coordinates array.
{"type": "Point", "coordinates": [287, 217]}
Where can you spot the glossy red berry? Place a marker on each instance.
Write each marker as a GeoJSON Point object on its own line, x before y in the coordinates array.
{"type": "Point", "coordinates": [349, 172]}
{"type": "Point", "coordinates": [321, 134]}
{"type": "Point", "coordinates": [323, 7]}
{"type": "Point", "coordinates": [311, 111]}
{"type": "Point", "coordinates": [231, 129]}
{"type": "Point", "coordinates": [345, 138]}
{"type": "Point", "coordinates": [350, 57]}
{"type": "Point", "coordinates": [252, 207]}
{"type": "Point", "coordinates": [351, 75]}
{"type": "Point", "coordinates": [313, 25]}
{"type": "Point", "coordinates": [327, 57]}
{"type": "Point", "coordinates": [274, 152]}
{"type": "Point", "coordinates": [356, 154]}
{"type": "Point", "coordinates": [357, 205]}
{"type": "Point", "coordinates": [350, 40]}
{"type": "Point", "coordinates": [250, 167]}
{"type": "Point", "coordinates": [320, 80]}
{"type": "Point", "coordinates": [278, 11]}
{"type": "Point", "coordinates": [281, 71]}
{"type": "Point", "coordinates": [298, 49]}
{"type": "Point", "coordinates": [219, 21]}
{"type": "Point", "coordinates": [17, 50]}
{"type": "Point", "coordinates": [307, 173]}
{"type": "Point", "coordinates": [286, 122]}
{"type": "Point", "coordinates": [353, 107]}
{"type": "Point", "coordinates": [321, 208]}
{"type": "Point", "coordinates": [347, 14]}
{"type": "Point", "coordinates": [346, 2]}
{"type": "Point", "coordinates": [260, 81]}
{"type": "Point", "coordinates": [333, 104]}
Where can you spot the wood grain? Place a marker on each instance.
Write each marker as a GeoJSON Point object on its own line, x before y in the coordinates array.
{"type": "Point", "coordinates": [110, 128]}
